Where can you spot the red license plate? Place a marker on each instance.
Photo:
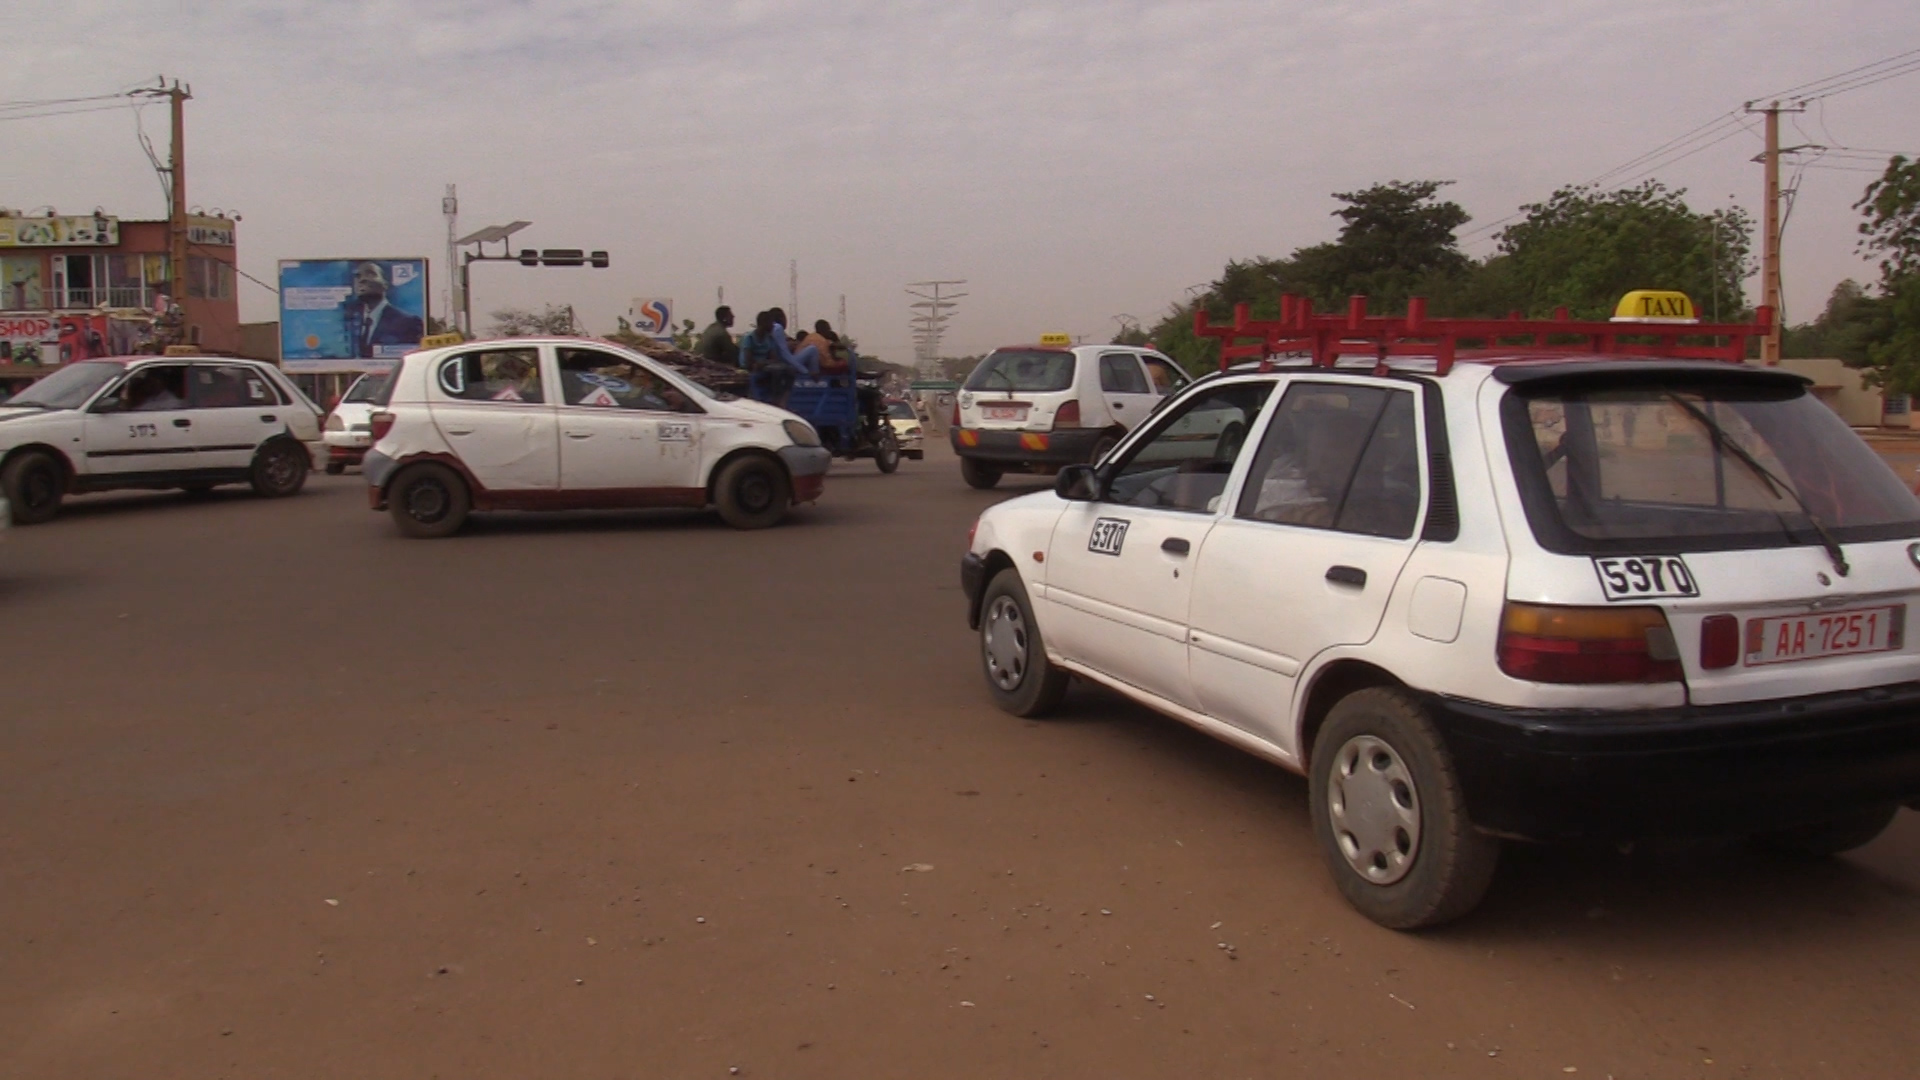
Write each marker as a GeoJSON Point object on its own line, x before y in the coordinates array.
{"type": "Point", "coordinates": [1004, 412]}
{"type": "Point", "coordinates": [1834, 633]}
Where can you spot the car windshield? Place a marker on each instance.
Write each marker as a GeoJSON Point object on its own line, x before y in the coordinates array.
{"type": "Point", "coordinates": [1671, 467]}
{"type": "Point", "coordinates": [900, 410]}
{"type": "Point", "coordinates": [69, 387]}
{"type": "Point", "coordinates": [1023, 371]}
{"type": "Point", "coordinates": [366, 390]}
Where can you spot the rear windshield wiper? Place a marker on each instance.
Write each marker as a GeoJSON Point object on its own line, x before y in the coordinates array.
{"type": "Point", "coordinates": [1774, 483]}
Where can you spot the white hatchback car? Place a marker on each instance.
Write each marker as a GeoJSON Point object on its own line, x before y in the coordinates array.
{"type": "Point", "coordinates": [348, 431]}
{"type": "Point", "coordinates": [1535, 596]}
{"type": "Point", "coordinates": [189, 422]}
{"type": "Point", "coordinates": [575, 424]}
{"type": "Point", "coordinates": [1041, 407]}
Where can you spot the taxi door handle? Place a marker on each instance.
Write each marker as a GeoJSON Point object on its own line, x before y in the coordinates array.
{"type": "Point", "coordinates": [267, 418]}
{"type": "Point", "coordinates": [182, 422]}
{"type": "Point", "coordinates": [1347, 575]}
{"type": "Point", "coordinates": [1174, 545]}
{"type": "Point", "coordinates": [579, 434]}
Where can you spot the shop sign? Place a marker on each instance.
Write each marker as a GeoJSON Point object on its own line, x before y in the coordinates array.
{"type": "Point", "coordinates": [17, 232]}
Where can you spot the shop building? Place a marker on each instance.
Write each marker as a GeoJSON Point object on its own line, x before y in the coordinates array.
{"type": "Point", "coordinates": [76, 286]}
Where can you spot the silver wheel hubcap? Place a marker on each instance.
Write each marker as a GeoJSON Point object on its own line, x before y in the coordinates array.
{"type": "Point", "coordinates": [1375, 809]}
{"type": "Point", "coordinates": [1004, 633]}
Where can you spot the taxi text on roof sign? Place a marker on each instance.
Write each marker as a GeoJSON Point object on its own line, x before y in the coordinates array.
{"type": "Point", "coordinates": [434, 341]}
{"type": "Point", "coordinates": [1655, 305]}
{"type": "Point", "coordinates": [1056, 339]}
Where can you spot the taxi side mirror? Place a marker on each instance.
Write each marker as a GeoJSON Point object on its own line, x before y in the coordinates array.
{"type": "Point", "coordinates": [1077, 483]}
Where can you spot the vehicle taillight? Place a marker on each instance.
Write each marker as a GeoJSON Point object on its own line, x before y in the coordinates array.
{"type": "Point", "coordinates": [1542, 643]}
{"type": "Point", "coordinates": [956, 413]}
{"type": "Point", "coordinates": [335, 423]}
{"type": "Point", "coordinates": [1068, 415]}
{"type": "Point", "coordinates": [382, 423]}
{"type": "Point", "coordinates": [1719, 642]}
{"type": "Point", "coordinates": [972, 531]}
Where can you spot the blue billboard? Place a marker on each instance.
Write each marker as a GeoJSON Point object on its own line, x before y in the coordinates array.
{"type": "Point", "coordinates": [350, 314]}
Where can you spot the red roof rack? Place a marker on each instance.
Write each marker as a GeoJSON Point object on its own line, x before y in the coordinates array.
{"type": "Point", "coordinates": [1328, 337]}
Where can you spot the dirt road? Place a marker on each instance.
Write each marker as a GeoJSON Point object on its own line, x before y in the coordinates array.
{"type": "Point", "coordinates": [615, 796]}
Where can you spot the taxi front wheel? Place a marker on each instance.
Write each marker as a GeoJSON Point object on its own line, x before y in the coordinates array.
{"type": "Point", "coordinates": [1390, 817]}
{"type": "Point", "coordinates": [751, 493]}
{"type": "Point", "coordinates": [1019, 675]}
{"type": "Point", "coordinates": [429, 501]}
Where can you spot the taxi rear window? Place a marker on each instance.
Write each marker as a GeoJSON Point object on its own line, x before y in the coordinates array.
{"type": "Point", "coordinates": [1669, 467]}
{"type": "Point", "coordinates": [1023, 371]}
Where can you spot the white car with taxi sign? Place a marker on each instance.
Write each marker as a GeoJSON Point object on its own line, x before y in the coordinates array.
{"type": "Point", "coordinates": [1041, 407]}
{"type": "Point", "coordinates": [177, 421]}
{"type": "Point", "coordinates": [1536, 593]}
{"type": "Point", "coordinates": [565, 423]}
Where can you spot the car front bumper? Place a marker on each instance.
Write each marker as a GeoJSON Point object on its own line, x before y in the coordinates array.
{"type": "Point", "coordinates": [807, 466]}
{"type": "Point", "coordinates": [1071, 446]}
{"type": "Point", "coordinates": [1689, 771]}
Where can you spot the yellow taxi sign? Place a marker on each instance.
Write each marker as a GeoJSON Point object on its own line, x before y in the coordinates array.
{"type": "Point", "coordinates": [435, 341]}
{"type": "Point", "coordinates": [1056, 339]}
{"type": "Point", "coordinates": [181, 350]}
{"type": "Point", "coordinates": [1655, 306]}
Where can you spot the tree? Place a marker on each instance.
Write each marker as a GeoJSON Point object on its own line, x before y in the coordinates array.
{"type": "Point", "coordinates": [1396, 240]}
{"type": "Point", "coordinates": [1584, 249]}
{"type": "Point", "coordinates": [1852, 323]}
{"type": "Point", "coordinates": [1891, 206]}
{"type": "Point", "coordinates": [520, 322]}
{"type": "Point", "coordinates": [683, 337]}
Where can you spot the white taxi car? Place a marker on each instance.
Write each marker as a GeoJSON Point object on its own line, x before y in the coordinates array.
{"type": "Point", "coordinates": [907, 429]}
{"type": "Point", "coordinates": [573, 424]}
{"type": "Point", "coordinates": [189, 422]}
{"type": "Point", "coordinates": [348, 431]}
{"type": "Point", "coordinates": [1040, 407]}
{"type": "Point", "coordinates": [1533, 595]}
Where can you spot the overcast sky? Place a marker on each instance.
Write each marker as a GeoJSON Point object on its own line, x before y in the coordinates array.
{"type": "Point", "coordinates": [1073, 161]}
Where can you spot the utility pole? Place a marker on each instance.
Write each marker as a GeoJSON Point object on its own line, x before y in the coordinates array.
{"type": "Point", "coordinates": [930, 324]}
{"type": "Point", "coordinates": [793, 294]}
{"type": "Point", "coordinates": [177, 171]}
{"type": "Point", "coordinates": [1770, 224]}
{"type": "Point", "coordinates": [843, 315]}
{"type": "Point", "coordinates": [450, 206]}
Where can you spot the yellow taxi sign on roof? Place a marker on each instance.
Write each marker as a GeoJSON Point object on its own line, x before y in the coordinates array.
{"type": "Point", "coordinates": [1056, 339]}
{"type": "Point", "coordinates": [435, 341]}
{"type": "Point", "coordinates": [1655, 306]}
{"type": "Point", "coordinates": [180, 350]}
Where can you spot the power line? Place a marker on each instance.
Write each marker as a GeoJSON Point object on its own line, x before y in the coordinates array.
{"type": "Point", "coordinates": [47, 102]}
{"type": "Point", "coordinates": [65, 112]}
{"type": "Point", "coordinates": [1809, 91]}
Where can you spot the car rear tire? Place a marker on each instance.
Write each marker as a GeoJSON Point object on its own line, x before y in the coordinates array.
{"type": "Point", "coordinates": [1012, 654]}
{"type": "Point", "coordinates": [887, 454]}
{"type": "Point", "coordinates": [752, 493]}
{"type": "Point", "coordinates": [1390, 817]}
{"type": "Point", "coordinates": [978, 475]}
{"type": "Point", "coordinates": [429, 501]}
{"type": "Point", "coordinates": [34, 484]}
{"type": "Point", "coordinates": [1102, 447]}
{"type": "Point", "coordinates": [280, 469]}
{"type": "Point", "coordinates": [1828, 838]}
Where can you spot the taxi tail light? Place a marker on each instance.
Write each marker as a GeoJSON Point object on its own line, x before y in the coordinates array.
{"type": "Point", "coordinates": [1719, 642]}
{"type": "Point", "coordinates": [956, 413]}
{"type": "Point", "coordinates": [1581, 645]}
{"type": "Point", "coordinates": [382, 423]}
{"type": "Point", "coordinates": [1067, 416]}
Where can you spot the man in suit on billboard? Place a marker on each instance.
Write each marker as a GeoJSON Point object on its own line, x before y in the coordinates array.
{"type": "Point", "coordinates": [371, 320]}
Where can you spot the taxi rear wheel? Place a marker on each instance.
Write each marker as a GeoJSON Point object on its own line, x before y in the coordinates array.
{"type": "Point", "coordinates": [33, 484]}
{"type": "Point", "coordinates": [429, 501]}
{"type": "Point", "coordinates": [1827, 838]}
{"type": "Point", "coordinates": [1012, 654]}
{"type": "Point", "coordinates": [1390, 817]}
{"type": "Point", "coordinates": [280, 469]}
{"type": "Point", "coordinates": [751, 493]}
{"type": "Point", "coordinates": [978, 474]}
{"type": "Point", "coordinates": [1102, 448]}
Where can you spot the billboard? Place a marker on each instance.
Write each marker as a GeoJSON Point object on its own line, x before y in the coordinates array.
{"type": "Point", "coordinates": [48, 340]}
{"type": "Point", "coordinates": [19, 231]}
{"type": "Point", "coordinates": [350, 314]}
{"type": "Point", "coordinates": [653, 316]}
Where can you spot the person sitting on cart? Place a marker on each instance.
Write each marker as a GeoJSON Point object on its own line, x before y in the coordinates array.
{"type": "Point", "coordinates": [804, 360]}
{"type": "Point", "coordinates": [833, 352]}
{"type": "Point", "coordinates": [761, 354]}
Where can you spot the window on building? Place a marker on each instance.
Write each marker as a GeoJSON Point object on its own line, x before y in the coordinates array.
{"type": "Point", "coordinates": [209, 279]}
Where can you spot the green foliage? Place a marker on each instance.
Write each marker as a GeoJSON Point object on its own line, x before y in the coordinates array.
{"type": "Point", "coordinates": [1583, 249]}
{"type": "Point", "coordinates": [1891, 206]}
{"type": "Point", "coordinates": [521, 322]}
{"type": "Point", "coordinates": [683, 338]}
{"type": "Point", "coordinates": [1131, 334]}
{"type": "Point", "coordinates": [1854, 320]}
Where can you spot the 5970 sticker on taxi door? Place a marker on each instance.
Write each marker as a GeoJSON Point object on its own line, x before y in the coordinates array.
{"type": "Point", "coordinates": [1645, 577]}
{"type": "Point", "coordinates": [1107, 537]}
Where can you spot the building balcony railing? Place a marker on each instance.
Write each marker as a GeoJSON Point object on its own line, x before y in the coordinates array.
{"type": "Point", "coordinates": [116, 296]}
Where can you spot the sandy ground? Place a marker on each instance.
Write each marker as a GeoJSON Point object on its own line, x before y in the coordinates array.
{"type": "Point", "coordinates": [632, 795]}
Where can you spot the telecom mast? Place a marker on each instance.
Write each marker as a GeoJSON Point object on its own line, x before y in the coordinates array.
{"type": "Point", "coordinates": [932, 308]}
